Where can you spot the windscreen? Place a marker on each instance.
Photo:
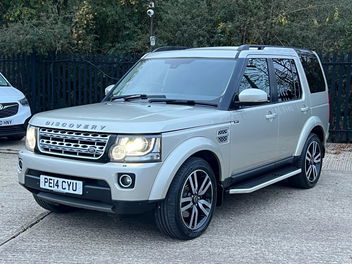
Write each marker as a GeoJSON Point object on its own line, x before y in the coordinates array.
{"type": "Point", "coordinates": [178, 78]}
{"type": "Point", "coordinates": [3, 82]}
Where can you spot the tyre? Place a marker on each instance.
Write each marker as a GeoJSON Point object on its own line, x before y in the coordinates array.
{"type": "Point", "coordinates": [190, 203]}
{"type": "Point", "coordinates": [56, 208]}
{"type": "Point", "coordinates": [310, 161]}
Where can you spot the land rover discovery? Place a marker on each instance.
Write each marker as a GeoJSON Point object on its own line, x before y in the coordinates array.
{"type": "Point", "coordinates": [179, 130]}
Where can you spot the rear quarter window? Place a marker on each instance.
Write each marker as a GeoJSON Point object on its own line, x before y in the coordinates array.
{"type": "Point", "coordinates": [313, 72]}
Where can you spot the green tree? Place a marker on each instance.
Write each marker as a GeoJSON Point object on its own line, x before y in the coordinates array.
{"type": "Point", "coordinates": [122, 26]}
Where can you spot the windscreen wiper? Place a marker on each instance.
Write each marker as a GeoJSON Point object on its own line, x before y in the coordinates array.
{"type": "Point", "coordinates": [136, 96]}
{"type": "Point", "coordinates": [183, 102]}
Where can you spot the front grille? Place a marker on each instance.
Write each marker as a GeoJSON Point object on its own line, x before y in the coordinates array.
{"type": "Point", "coordinates": [8, 109]}
{"type": "Point", "coordinates": [86, 145]}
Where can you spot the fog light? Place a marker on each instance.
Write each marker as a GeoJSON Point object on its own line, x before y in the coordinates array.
{"type": "Point", "coordinates": [126, 181]}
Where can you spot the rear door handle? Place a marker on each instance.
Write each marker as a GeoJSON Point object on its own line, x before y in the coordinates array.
{"type": "Point", "coordinates": [305, 109]}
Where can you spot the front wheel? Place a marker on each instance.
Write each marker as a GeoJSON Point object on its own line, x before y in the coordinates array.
{"type": "Point", "coordinates": [189, 205]}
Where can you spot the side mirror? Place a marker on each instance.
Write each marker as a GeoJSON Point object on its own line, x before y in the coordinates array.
{"type": "Point", "coordinates": [108, 89]}
{"type": "Point", "coordinates": [253, 96]}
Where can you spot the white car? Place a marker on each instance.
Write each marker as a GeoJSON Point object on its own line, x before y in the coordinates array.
{"type": "Point", "coordinates": [14, 111]}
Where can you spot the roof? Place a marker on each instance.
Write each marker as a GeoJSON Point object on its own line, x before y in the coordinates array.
{"type": "Point", "coordinates": [221, 52]}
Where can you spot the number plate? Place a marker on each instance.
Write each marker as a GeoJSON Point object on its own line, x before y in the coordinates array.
{"type": "Point", "coordinates": [61, 185]}
{"type": "Point", "coordinates": [5, 122]}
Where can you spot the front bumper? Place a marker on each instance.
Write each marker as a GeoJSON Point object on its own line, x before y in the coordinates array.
{"type": "Point", "coordinates": [15, 125]}
{"type": "Point", "coordinates": [14, 131]}
{"type": "Point", "coordinates": [101, 190]}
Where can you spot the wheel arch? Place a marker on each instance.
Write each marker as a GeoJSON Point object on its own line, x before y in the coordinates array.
{"type": "Point", "coordinates": [215, 164]}
{"type": "Point", "coordinates": [195, 147]}
{"type": "Point", "coordinates": [312, 125]}
{"type": "Point", "coordinates": [319, 131]}
{"type": "Point", "coordinates": [213, 161]}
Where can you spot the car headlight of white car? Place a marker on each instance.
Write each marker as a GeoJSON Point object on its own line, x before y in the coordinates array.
{"type": "Point", "coordinates": [136, 149]}
{"type": "Point", "coordinates": [24, 101]}
{"type": "Point", "coordinates": [31, 138]}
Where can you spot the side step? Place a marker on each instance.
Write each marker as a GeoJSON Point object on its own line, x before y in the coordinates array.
{"type": "Point", "coordinates": [264, 180]}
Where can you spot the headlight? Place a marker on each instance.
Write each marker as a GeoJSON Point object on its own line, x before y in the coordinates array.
{"type": "Point", "coordinates": [31, 138]}
{"type": "Point", "coordinates": [24, 101]}
{"type": "Point", "coordinates": [136, 149]}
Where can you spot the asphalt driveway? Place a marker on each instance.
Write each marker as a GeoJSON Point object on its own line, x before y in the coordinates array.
{"type": "Point", "coordinates": [278, 224]}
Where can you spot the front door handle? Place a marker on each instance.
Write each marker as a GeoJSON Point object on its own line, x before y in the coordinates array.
{"type": "Point", "coordinates": [270, 116]}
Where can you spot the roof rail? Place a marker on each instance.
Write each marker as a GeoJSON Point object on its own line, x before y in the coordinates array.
{"type": "Point", "coordinates": [261, 47]}
{"type": "Point", "coordinates": [258, 46]}
{"type": "Point", "coordinates": [168, 48]}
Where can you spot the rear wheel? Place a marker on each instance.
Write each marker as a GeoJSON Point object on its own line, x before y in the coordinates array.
{"type": "Point", "coordinates": [310, 161]}
{"type": "Point", "coordinates": [189, 205]}
{"type": "Point", "coordinates": [56, 208]}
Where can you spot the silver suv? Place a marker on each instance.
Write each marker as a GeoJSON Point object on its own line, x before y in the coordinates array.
{"type": "Point", "coordinates": [179, 130]}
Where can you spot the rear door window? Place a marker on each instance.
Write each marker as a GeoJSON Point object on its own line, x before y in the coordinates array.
{"type": "Point", "coordinates": [288, 84]}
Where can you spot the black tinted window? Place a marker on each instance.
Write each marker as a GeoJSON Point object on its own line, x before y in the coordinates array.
{"type": "Point", "coordinates": [256, 76]}
{"type": "Point", "coordinates": [313, 72]}
{"type": "Point", "coordinates": [288, 85]}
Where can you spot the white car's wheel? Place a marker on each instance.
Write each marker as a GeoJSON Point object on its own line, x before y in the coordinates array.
{"type": "Point", "coordinates": [15, 138]}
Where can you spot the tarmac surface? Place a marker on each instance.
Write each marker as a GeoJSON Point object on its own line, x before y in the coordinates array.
{"type": "Point", "coordinates": [278, 224]}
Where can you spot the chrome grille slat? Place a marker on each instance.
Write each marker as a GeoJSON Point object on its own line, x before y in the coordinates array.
{"type": "Point", "coordinates": [87, 145]}
{"type": "Point", "coordinates": [75, 137]}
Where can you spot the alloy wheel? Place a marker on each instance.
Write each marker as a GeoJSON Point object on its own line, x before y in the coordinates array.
{"type": "Point", "coordinates": [313, 161]}
{"type": "Point", "coordinates": [196, 199]}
